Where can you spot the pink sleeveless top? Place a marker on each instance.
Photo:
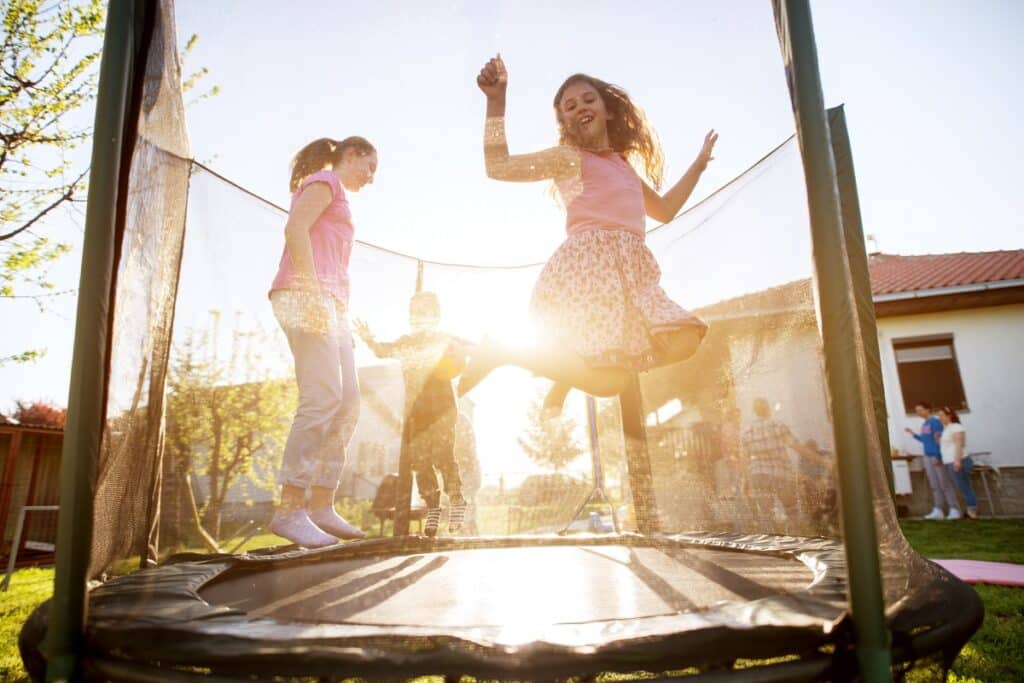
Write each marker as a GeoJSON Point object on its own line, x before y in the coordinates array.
{"type": "Point", "coordinates": [608, 195]}
{"type": "Point", "coordinates": [331, 237]}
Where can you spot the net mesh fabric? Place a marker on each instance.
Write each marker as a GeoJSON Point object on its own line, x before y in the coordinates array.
{"type": "Point", "coordinates": [762, 347]}
{"type": "Point", "coordinates": [147, 274]}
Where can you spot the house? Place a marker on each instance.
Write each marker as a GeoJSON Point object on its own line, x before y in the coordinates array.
{"type": "Point", "coordinates": [29, 476]}
{"type": "Point", "coordinates": [950, 331]}
{"type": "Point", "coordinates": [377, 442]}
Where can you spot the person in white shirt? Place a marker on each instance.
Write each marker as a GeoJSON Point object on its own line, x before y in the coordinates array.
{"type": "Point", "coordinates": [955, 458]}
{"type": "Point", "coordinates": [938, 481]}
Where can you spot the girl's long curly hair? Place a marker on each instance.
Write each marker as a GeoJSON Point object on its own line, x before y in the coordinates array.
{"type": "Point", "coordinates": [629, 132]}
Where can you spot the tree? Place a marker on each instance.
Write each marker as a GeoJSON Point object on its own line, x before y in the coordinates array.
{"type": "Point", "coordinates": [39, 414]}
{"type": "Point", "coordinates": [48, 76]}
{"type": "Point", "coordinates": [550, 442]}
{"type": "Point", "coordinates": [226, 420]}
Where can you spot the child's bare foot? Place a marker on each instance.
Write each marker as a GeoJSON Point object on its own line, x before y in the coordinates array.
{"type": "Point", "coordinates": [554, 401]}
{"type": "Point", "coordinates": [484, 358]}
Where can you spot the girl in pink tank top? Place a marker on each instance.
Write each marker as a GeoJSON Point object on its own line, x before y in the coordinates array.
{"type": "Point", "coordinates": [598, 301]}
{"type": "Point", "coordinates": [310, 299]}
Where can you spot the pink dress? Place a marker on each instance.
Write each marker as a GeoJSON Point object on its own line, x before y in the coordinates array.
{"type": "Point", "coordinates": [600, 292]}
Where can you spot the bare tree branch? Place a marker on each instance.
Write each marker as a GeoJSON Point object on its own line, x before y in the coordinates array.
{"type": "Point", "coordinates": [53, 205]}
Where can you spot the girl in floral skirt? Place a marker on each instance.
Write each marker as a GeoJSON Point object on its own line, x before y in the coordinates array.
{"type": "Point", "coordinates": [598, 301]}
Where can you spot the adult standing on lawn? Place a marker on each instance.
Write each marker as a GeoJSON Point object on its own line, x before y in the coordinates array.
{"type": "Point", "coordinates": [938, 481]}
{"type": "Point", "coordinates": [954, 456]}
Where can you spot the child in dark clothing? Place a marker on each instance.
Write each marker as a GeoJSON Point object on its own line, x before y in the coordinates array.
{"type": "Point", "coordinates": [430, 360]}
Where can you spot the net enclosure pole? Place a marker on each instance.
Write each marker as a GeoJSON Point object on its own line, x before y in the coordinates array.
{"type": "Point", "coordinates": [87, 394]}
{"type": "Point", "coordinates": [857, 255]}
{"type": "Point", "coordinates": [839, 334]}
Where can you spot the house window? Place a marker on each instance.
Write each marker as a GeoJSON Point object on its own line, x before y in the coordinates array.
{"type": "Point", "coordinates": [928, 371]}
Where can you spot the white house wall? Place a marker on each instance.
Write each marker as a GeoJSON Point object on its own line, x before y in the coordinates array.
{"type": "Point", "coordinates": [989, 344]}
{"type": "Point", "coordinates": [374, 428]}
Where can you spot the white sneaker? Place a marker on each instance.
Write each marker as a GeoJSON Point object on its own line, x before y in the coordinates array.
{"type": "Point", "coordinates": [936, 513]}
{"type": "Point", "coordinates": [954, 513]}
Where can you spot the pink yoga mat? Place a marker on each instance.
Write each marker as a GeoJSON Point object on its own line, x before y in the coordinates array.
{"type": "Point", "coordinates": [976, 571]}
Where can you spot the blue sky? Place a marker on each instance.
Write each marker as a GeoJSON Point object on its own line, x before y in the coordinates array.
{"type": "Point", "coordinates": [932, 91]}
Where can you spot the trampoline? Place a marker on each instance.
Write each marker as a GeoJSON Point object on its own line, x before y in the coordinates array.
{"type": "Point", "coordinates": [529, 606]}
{"type": "Point", "coordinates": [707, 574]}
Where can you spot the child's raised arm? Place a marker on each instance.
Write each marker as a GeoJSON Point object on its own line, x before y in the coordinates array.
{"type": "Point", "coordinates": [380, 349]}
{"type": "Point", "coordinates": [665, 207]}
{"type": "Point", "coordinates": [548, 164]}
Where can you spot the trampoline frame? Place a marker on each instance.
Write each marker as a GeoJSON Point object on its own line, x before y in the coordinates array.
{"type": "Point", "coordinates": [146, 625]}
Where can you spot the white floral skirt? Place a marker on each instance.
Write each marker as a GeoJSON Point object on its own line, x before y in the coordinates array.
{"type": "Point", "coordinates": [600, 294]}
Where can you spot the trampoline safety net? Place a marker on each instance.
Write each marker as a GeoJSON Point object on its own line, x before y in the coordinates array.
{"type": "Point", "coordinates": [633, 533]}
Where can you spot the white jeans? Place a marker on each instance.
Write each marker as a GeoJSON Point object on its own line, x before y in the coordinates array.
{"type": "Point", "coordinates": [325, 371]}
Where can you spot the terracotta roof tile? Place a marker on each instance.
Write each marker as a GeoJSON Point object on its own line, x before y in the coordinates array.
{"type": "Point", "coordinates": [891, 273]}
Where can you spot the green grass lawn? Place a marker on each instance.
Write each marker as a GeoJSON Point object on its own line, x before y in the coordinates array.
{"type": "Point", "coordinates": [995, 653]}
{"type": "Point", "coordinates": [29, 587]}
{"type": "Point", "coordinates": [993, 540]}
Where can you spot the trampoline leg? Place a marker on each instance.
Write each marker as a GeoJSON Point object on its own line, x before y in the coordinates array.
{"type": "Point", "coordinates": [638, 460]}
{"type": "Point", "coordinates": [597, 491]}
